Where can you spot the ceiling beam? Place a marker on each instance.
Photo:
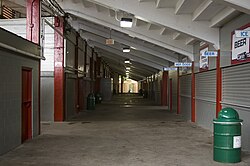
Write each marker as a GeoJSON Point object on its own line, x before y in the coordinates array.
{"type": "Point", "coordinates": [183, 24]}
{"type": "Point", "coordinates": [203, 7]}
{"type": "Point", "coordinates": [105, 33]}
{"type": "Point", "coordinates": [220, 18]}
{"type": "Point", "coordinates": [127, 55]}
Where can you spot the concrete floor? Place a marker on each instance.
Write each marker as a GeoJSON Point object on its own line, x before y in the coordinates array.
{"type": "Point", "coordinates": [129, 131]}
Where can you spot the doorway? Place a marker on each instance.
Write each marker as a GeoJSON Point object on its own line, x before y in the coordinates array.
{"type": "Point", "coordinates": [26, 104]}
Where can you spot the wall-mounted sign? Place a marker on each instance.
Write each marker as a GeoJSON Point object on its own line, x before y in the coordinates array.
{"type": "Point", "coordinates": [241, 45]}
{"type": "Point", "coordinates": [203, 59]}
{"type": "Point", "coordinates": [210, 53]}
{"type": "Point", "coordinates": [169, 69]}
{"type": "Point", "coordinates": [181, 64]}
{"type": "Point", "coordinates": [242, 33]}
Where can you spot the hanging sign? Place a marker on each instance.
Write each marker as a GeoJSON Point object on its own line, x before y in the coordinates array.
{"type": "Point", "coordinates": [169, 69]}
{"type": "Point", "coordinates": [181, 64]}
{"type": "Point", "coordinates": [203, 59]}
{"type": "Point", "coordinates": [241, 45]}
{"type": "Point", "coordinates": [210, 53]}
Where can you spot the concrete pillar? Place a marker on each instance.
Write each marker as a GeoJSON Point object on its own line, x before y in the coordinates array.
{"type": "Point", "coordinates": [33, 30]}
{"type": "Point", "coordinates": [59, 90]}
{"type": "Point", "coordinates": [164, 89]}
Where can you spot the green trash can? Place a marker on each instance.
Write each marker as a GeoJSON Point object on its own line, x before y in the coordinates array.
{"type": "Point", "coordinates": [227, 136]}
{"type": "Point", "coordinates": [91, 102]}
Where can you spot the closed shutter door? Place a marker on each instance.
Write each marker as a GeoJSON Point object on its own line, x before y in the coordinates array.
{"type": "Point", "coordinates": [206, 86]}
{"type": "Point", "coordinates": [236, 85]}
{"type": "Point", "coordinates": [205, 89]}
{"type": "Point", "coordinates": [185, 96]}
{"type": "Point", "coordinates": [185, 86]}
{"type": "Point", "coordinates": [236, 94]}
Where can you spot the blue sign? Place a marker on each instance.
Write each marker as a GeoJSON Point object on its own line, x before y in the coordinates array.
{"type": "Point", "coordinates": [242, 33]}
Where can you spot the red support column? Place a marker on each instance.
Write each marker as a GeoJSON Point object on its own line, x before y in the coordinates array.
{"type": "Point", "coordinates": [91, 69]}
{"type": "Point", "coordinates": [98, 74]}
{"type": "Point", "coordinates": [218, 85]}
{"type": "Point", "coordinates": [178, 92]}
{"type": "Point", "coordinates": [170, 95]}
{"type": "Point", "coordinates": [59, 70]}
{"type": "Point", "coordinates": [164, 90]}
{"type": "Point", "coordinates": [77, 83]}
{"type": "Point", "coordinates": [193, 95]}
{"type": "Point", "coordinates": [33, 20]}
{"type": "Point", "coordinates": [33, 30]}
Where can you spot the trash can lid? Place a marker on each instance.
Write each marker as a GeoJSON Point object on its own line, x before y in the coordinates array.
{"type": "Point", "coordinates": [228, 115]}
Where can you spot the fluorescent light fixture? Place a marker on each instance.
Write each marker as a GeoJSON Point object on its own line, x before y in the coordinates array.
{"type": "Point", "coordinates": [127, 71]}
{"type": "Point", "coordinates": [127, 68]}
{"type": "Point", "coordinates": [127, 61]}
{"type": "Point", "coordinates": [126, 22]}
{"type": "Point", "coordinates": [126, 49]}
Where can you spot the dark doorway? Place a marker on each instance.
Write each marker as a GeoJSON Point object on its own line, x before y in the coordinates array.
{"type": "Point", "coordinates": [26, 104]}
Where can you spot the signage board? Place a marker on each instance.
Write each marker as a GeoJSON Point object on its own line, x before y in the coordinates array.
{"type": "Point", "coordinates": [242, 33]}
{"type": "Point", "coordinates": [210, 53]}
{"type": "Point", "coordinates": [181, 64]}
{"type": "Point", "coordinates": [203, 59]}
{"type": "Point", "coordinates": [169, 69]}
{"type": "Point", "coordinates": [241, 45]}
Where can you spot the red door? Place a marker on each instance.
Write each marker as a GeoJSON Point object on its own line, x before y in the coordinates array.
{"type": "Point", "coordinates": [26, 104]}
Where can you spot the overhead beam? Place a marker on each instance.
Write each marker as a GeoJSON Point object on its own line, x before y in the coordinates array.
{"type": "Point", "coordinates": [240, 5]}
{"type": "Point", "coordinates": [198, 12]}
{"type": "Point", "coordinates": [222, 16]}
{"type": "Point", "coordinates": [129, 56]}
{"type": "Point", "coordinates": [184, 24]}
{"type": "Point", "coordinates": [164, 55]}
{"type": "Point", "coordinates": [143, 67]}
{"type": "Point", "coordinates": [137, 68]}
{"type": "Point", "coordinates": [107, 21]}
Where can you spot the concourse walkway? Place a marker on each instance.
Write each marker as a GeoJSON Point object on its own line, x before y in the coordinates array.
{"type": "Point", "coordinates": [127, 131]}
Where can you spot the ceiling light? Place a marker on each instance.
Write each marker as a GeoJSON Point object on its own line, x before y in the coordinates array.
{"type": "Point", "coordinates": [126, 22]}
{"type": "Point", "coordinates": [127, 61]}
{"type": "Point", "coordinates": [127, 68]}
{"type": "Point", "coordinates": [126, 49]}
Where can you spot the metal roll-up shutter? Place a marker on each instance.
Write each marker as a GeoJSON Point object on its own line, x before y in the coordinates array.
{"type": "Point", "coordinates": [236, 85]}
{"type": "Point", "coordinates": [206, 86]}
{"type": "Point", "coordinates": [205, 98]}
{"type": "Point", "coordinates": [185, 96]}
{"type": "Point", "coordinates": [236, 94]}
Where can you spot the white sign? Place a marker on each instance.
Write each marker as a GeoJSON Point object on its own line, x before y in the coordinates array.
{"type": "Point", "coordinates": [180, 64]}
{"type": "Point", "coordinates": [242, 33]}
{"type": "Point", "coordinates": [203, 59]}
{"type": "Point", "coordinates": [240, 48]}
{"type": "Point", "coordinates": [169, 68]}
{"type": "Point", "coordinates": [210, 54]}
{"type": "Point", "coordinates": [237, 142]}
